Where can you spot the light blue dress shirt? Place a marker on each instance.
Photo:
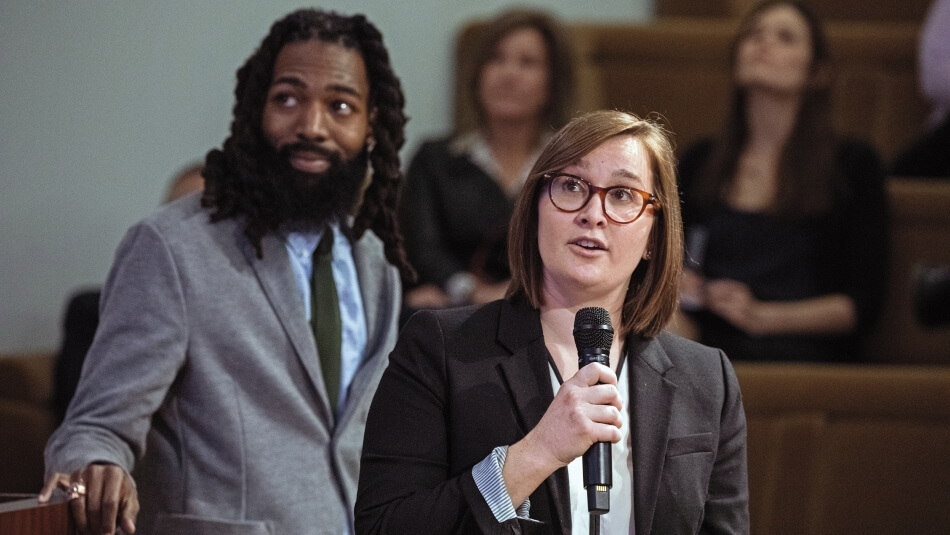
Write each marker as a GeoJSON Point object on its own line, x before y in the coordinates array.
{"type": "Point", "coordinates": [301, 246]}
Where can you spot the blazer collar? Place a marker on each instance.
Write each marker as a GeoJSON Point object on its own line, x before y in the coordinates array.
{"type": "Point", "coordinates": [374, 274]}
{"type": "Point", "coordinates": [651, 401]}
{"type": "Point", "coordinates": [525, 373]}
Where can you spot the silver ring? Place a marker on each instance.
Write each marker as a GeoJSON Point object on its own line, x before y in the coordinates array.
{"type": "Point", "coordinates": [78, 490]}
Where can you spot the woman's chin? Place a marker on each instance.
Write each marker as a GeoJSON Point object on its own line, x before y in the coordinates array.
{"type": "Point", "coordinates": [511, 113]}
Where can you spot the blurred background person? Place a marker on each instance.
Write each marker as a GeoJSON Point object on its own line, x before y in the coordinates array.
{"type": "Point", "coordinates": [786, 221]}
{"type": "Point", "coordinates": [460, 190]}
{"type": "Point", "coordinates": [186, 181]}
{"type": "Point", "coordinates": [467, 424]}
{"type": "Point", "coordinates": [82, 311]}
{"type": "Point", "coordinates": [929, 156]}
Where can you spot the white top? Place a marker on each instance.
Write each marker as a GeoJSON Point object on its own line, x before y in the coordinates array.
{"type": "Point", "coordinates": [620, 517]}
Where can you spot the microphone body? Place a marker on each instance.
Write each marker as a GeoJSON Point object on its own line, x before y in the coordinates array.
{"type": "Point", "coordinates": [593, 336]}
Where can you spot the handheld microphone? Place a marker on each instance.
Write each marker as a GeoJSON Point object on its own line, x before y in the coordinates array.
{"type": "Point", "coordinates": [593, 336]}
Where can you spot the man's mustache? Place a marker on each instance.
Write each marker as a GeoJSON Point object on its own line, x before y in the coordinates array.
{"type": "Point", "coordinates": [287, 150]}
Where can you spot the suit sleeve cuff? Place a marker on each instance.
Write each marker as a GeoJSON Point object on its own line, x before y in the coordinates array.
{"type": "Point", "coordinates": [488, 478]}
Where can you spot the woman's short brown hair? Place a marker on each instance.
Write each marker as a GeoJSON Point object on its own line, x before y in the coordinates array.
{"type": "Point", "coordinates": [652, 295]}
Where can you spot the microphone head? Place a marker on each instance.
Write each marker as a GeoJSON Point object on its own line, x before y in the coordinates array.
{"type": "Point", "coordinates": [592, 329]}
{"type": "Point", "coordinates": [593, 336]}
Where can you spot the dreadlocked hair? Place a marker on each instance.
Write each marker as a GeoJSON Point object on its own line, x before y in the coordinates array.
{"type": "Point", "coordinates": [233, 173]}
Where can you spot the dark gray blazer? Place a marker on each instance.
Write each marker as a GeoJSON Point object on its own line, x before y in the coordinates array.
{"type": "Point", "coordinates": [461, 382]}
{"type": "Point", "coordinates": [204, 378]}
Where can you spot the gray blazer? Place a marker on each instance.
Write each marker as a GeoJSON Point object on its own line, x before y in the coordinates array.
{"type": "Point", "coordinates": [204, 379]}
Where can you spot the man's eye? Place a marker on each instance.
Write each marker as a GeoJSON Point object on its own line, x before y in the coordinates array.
{"type": "Point", "coordinates": [342, 108]}
{"type": "Point", "coordinates": [285, 99]}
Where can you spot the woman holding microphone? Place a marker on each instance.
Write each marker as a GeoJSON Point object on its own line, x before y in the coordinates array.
{"type": "Point", "coordinates": [482, 417]}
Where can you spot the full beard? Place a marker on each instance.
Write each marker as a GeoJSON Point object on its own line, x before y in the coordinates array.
{"type": "Point", "coordinates": [302, 201]}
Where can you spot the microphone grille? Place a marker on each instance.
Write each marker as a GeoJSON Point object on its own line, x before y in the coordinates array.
{"type": "Point", "coordinates": [592, 328]}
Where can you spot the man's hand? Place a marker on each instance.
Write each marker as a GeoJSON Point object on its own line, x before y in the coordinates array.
{"type": "Point", "coordinates": [101, 496]}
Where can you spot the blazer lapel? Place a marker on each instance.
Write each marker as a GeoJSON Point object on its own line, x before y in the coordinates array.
{"type": "Point", "coordinates": [373, 273]}
{"type": "Point", "coordinates": [376, 279]}
{"type": "Point", "coordinates": [651, 397]}
{"type": "Point", "coordinates": [526, 375]}
{"type": "Point", "coordinates": [277, 280]}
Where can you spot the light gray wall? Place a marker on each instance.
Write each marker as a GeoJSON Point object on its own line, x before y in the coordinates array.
{"type": "Point", "coordinates": [102, 101]}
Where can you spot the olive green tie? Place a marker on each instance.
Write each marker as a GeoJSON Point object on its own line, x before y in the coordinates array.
{"type": "Point", "coordinates": [325, 316]}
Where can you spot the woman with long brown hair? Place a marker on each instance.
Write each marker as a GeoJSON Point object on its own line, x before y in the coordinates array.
{"type": "Point", "coordinates": [786, 221]}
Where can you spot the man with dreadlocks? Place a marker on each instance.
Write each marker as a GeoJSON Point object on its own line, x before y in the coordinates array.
{"type": "Point", "coordinates": [234, 366]}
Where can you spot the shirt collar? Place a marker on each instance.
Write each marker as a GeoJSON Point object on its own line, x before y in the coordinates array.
{"type": "Point", "coordinates": [474, 146]}
{"type": "Point", "coordinates": [304, 243]}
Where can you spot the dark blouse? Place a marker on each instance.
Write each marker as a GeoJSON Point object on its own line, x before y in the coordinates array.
{"type": "Point", "coordinates": [454, 216]}
{"type": "Point", "coordinates": [789, 259]}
